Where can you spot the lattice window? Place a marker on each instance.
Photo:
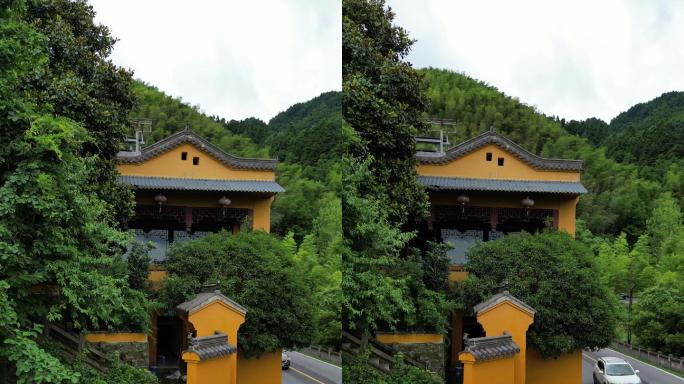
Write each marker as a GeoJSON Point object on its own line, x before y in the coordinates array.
{"type": "Point", "coordinates": [160, 239]}
{"type": "Point", "coordinates": [461, 243]}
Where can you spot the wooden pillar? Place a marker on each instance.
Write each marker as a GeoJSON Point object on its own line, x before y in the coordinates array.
{"type": "Point", "coordinates": [456, 335]}
{"type": "Point", "coordinates": [493, 217]}
{"type": "Point", "coordinates": [188, 219]}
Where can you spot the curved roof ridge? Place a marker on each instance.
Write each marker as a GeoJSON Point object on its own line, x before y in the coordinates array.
{"type": "Point", "coordinates": [501, 297]}
{"type": "Point", "coordinates": [187, 136]}
{"type": "Point", "coordinates": [491, 137]}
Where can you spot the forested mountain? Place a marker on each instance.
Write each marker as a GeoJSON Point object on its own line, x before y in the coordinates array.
{"type": "Point", "coordinates": [649, 134]}
{"type": "Point", "coordinates": [619, 200]}
{"type": "Point", "coordinates": [631, 218]}
{"type": "Point", "coordinates": [306, 139]}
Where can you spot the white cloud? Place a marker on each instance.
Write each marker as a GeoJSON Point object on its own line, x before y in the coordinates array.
{"type": "Point", "coordinates": [235, 59]}
{"type": "Point", "coordinates": [575, 59]}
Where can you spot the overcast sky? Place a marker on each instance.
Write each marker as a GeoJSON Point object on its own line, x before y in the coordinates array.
{"type": "Point", "coordinates": [235, 59]}
{"type": "Point", "coordinates": [575, 59]}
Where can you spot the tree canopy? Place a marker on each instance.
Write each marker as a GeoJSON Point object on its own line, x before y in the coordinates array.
{"type": "Point", "coordinates": [556, 276]}
{"type": "Point", "coordinates": [62, 110]}
{"type": "Point", "coordinates": [385, 279]}
{"type": "Point", "coordinates": [256, 270]}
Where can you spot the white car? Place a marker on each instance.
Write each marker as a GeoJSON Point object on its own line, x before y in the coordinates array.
{"type": "Point", "coordinates": [613, 370]}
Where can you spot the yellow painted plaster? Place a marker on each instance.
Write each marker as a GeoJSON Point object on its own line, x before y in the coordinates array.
{"type": "Point", "coordinates": [217, 316]}
{"type": "Point", "coordinates": [474, 165]}
{"type": "Point", "coordinates": [409, 338]}
{"type": "Point", "coordinates": [508, 317]}
{"type": "Point", "coordinates": [170, 164]}
{"type": "Point", "coordinates": [265, 369]}
{"type": "Point", "coordinates": [499, 371]}
{"type": "Point", "coordinates": [216, 370]}
{"type": "Point", "coordinates": [116, 337]}
{"type": "Point", "coordinates": [566, 369]}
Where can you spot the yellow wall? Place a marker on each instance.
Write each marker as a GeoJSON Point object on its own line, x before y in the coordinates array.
{"type": "Point", "coordinates": [169, 164]}
{"type": "Point", "coordinates": [265, 369]}
{"type": "Point", "coordinates": [218, 316]}
{"type": "Point", "coordinates": [567, 214]}
{"type": "Point", "coordinates": [567, 369]}
{"type": "Point", "coordinates": [499, 371]}
{"type": "Point", "coordinates": [474, 165]}
{"type": "Point", "coordinates": [121, 337]}
{"type": "Point", "coordinates": [506, 317]}
{"type": "Point", "coordinates": [457, 276]}
{"type": "Point", "coordinates": [408, 338]}
{"type": "Point", "coordinates": [216, 370]}
{"type": "Point", "coordinates": [261, 217]}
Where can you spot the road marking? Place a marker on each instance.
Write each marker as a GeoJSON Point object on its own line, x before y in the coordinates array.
{"type": "Point", "coordinates": [652, 366]}
{"type": "Point", "coordinates": [311, 357]}
{"type": "Point", "coordinates": [307, 376]}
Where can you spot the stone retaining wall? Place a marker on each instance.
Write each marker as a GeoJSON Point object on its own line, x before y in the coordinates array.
{"type": "Point", "coordinates": [134, 353]}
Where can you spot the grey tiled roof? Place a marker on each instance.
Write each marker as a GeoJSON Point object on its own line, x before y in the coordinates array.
{"type": "Point", "coordinates": [466, 184]}
{"type": "Point", "coordinates": [170, 183]}
{"type": "Point", "coordinates": [187, 136]}
{"type": "Point", "coordinates": [205, 298]}
{"type": "Point", "coordinates": [211, 347]}
{"type": "Point", "coordinates": [504, 143]}
{"type": "Point", "coordinates": [501, 297]}
{"type": "Point", "coordinates": [491, 347]}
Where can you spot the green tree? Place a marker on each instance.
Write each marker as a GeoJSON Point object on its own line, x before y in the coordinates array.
{"type": "Point", "coordinates": [384, 274]}
{"type": "Point", "coordinates": [382, 102]}
{"type": "Point", "coordinates": [664, 224]}
{"type": "Point", "coordinates": [256, 270]}
{"type": "Point", "coordinates": [57, 232]}
{"type": "Point", "coordinates": [554, 274]}
{"type": "Point", "coordinates": [659, 316]}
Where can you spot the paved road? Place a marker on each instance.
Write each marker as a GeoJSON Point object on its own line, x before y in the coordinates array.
{"type": "Point", "coordinates": [307, 370]}
{"type": "Point", "coordinates": [648, 373]}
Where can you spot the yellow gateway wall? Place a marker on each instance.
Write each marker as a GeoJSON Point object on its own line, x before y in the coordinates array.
{"type": "Point", "coordinates": [474, 165]}
{"type": "Point", "coordinates": [170, 164]}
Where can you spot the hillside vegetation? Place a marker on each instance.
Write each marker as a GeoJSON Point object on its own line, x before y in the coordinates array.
{"type": "Point", "coordinates": [631, 218]}
{"type": "Point", "coordinates": [307, 217]}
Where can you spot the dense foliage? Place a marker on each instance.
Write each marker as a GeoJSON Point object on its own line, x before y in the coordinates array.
{"type": "Point", "coordinates": [648, 274]}
{"type": "Point", "coordinates": [386, 280]}
{"type": "Point", "coordinates": [556, 276]}
{"type": "Point", "coordinates": [648, 134]}
{"type": "Point", "coordinates": [61, 111]}
{"type": "Point", "coordinates": [618, 199]}
{"type": "Point", "coordinates": [170, 115]}
{"type": "Point", "coordinates": [309, 212]}
{"type": "Point", "coordinates": [357, 370]}
{"type": "Point", "coordinates": [631, 219]}
{"type": "Point", "coordinates": [254, 269]}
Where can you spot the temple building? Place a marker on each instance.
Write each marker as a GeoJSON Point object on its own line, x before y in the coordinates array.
{"type": "Point", "coordinates": [481, 190]}
{"type": "Point", "coordinates": [185, 188]}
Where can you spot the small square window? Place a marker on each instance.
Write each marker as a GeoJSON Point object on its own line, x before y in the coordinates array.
{"type": "Point", "coordinates": [501, 161]}
{"type": "Point", "coordinates": [489, 156]}
{"type": "Point", "coordinates": [195, 161]}
{"type": "Point", "coordinates": [184, 155]}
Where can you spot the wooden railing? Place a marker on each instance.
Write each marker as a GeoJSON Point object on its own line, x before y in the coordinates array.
{"type": "Point", "coordinates": [381, 355]}
{"type": "Point", "coordinates": [73, 345]}
{"type": "Point", "coordinates": [667, 361]}
{"type": "Point", "coordinates": [324, 353]}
